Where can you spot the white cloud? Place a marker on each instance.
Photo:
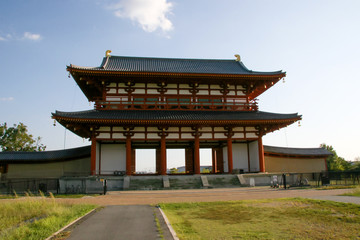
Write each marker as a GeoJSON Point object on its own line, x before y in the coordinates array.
{"type": "Point", "coordinates": [32, 36]}
{"type": "Point", "coordinates": [6, 99]}
{"type": "Point", "coordinates": [150, 14]}
{"type": "Point", "coordinates": [2, 39]}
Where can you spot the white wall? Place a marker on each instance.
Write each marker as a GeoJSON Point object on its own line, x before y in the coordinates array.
{"type": "Point", "coordinates": [254, 156]}
{"type": "Point", "coordinates": [113, 158]}
{"type": "Point", "coordinates": [240, 156]}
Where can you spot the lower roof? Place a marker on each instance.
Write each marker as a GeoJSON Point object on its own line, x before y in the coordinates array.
{"type": "Point", "coordinates": [83, 152]}
{"type": "Point", "coordinates": [45, 156]}
{"type": "Point", "coordinates": [171, 115]}
{"type": "Point", "coordinates": [285, 151]}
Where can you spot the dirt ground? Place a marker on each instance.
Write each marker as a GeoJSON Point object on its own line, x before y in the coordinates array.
{"type": "Point", "coordinates": [199, 195]}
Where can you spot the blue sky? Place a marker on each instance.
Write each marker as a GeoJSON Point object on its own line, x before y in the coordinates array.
{"type": "Point", "coordinates": [315, 42]}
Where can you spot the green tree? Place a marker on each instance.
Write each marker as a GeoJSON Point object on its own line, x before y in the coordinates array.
{"type": "Point", "coordinates": [334, 162]}
{"type": "Point", "coordinates": [356, 164]}
{"type": "Point", "coordinates": [17, 138]}
{"type": "Point", "coordinates": [174, 170]}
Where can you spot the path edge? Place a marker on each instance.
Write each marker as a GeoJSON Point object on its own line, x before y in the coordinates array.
{"type": "Point", "coordinates": [68, 225]}
{"type": "Point", "coordinates": [168, 224]}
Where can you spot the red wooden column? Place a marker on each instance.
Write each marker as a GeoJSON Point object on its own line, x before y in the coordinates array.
{"type": "Point", "coordinates": [230, 154]}
{"type": "Point", "coordinates": [163, 155]}
{"type": "Point", "coordinates": [214, 162]}
{"type": "Point", "coordinates": [158, 161]}
{"type": "Point", "coordinates": [261, 154]}
{"type": "Point", "coordinates": [128, 155]}
{"type": "Point", "coordinates": [93, 156]}
{"type": "Point", "coordinates": [197, 154]}
{"type": "Point", "coordinates": [189, 160]}
{"type": "Point", "coordinates": [229, 135]}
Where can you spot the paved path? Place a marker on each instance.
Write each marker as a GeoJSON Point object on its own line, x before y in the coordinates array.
{"type": "Point", "coordinates": [118, 222]}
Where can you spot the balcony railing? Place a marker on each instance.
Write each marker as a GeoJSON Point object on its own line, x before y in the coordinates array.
{"type": "Point", "coordinates": [235, 104]}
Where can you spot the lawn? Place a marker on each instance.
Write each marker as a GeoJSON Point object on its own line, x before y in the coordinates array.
{"type": "Point", "coordinates": [265, 219]}
{"type": "Point", "coordinates": [355, 193]}
{"type": "Point", "coordinates": [36, 218]}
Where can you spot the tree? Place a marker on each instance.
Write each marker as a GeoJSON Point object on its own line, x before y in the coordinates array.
{"type": "Point", "coordinates": [174, 170]}
{"type": "Point", "coordinates": [17, 138]}
{"type": "Point", "coordinates": [356, 164]}
{"type": "Point", "coordinates": [334, 162]}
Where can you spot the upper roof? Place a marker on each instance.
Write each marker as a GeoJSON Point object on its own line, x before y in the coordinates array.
{"type": "Point", "coordinates": [296, 151]}
{"type": "Point", "coordinates": [45, 156]}
{"type": "Point", "coordinates": [173, 65]}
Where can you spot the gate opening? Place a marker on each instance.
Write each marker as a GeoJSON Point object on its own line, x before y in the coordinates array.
{"type": "Point", "coordinates": [145, 161]}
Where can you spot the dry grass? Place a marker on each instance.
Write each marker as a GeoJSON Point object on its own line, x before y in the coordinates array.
{"type": "Point", "coordinates": [36, 217]}
{"type": "Point", "coordinates": [265, 219]}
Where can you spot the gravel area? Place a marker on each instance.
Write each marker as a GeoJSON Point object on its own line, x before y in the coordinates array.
{"type": "Point", "coordinates": [200, 195]}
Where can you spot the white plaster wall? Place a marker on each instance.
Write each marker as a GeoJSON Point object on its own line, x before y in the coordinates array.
{"type": "Point", "coordinates": [240, 156]}
{"type": "Point", "coordinates": [254, 156]}
{"type": "Point", "coordinates": [113, 158]}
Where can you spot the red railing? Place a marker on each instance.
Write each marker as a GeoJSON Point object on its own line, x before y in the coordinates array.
{"type": "Point", "coordinates": [235, 104]}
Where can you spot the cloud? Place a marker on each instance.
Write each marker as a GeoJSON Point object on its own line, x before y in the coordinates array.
{"type": "Point", "coordinates": [25, 36]}
{"type": "Point", "coordinates": [32, 36]}
{"type": "Point", "coordinates": [150, 14]}
{"type": "Point", "coordinates": [6, 99]}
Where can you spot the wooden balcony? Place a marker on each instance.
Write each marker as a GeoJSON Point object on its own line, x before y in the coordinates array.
{"type": "Point", "coordinates": [179, 104]}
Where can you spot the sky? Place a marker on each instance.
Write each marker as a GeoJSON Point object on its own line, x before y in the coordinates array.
{"type": "Point", "coordinates": [315, 42]}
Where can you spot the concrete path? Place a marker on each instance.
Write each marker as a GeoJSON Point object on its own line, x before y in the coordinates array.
{"type": "Point", "coordinates": [344, 199]}
{"type": "Point", "coordinates": [118, 222]}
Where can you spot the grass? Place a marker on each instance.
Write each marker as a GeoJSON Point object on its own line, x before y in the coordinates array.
{"type": "Point", "coordinates": [37, 218]}
{"type": "Point", "coordinates": [8, 196]}
{"type": "Point", "coordinates": [355, 193]}
{"type": "Point", "coordinates": [265, 219]}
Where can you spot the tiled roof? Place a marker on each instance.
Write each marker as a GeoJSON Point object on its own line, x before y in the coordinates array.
{"type": "Point", "coordinates": [297, 151]}
{"type": "Point", "coordinates": [174, 115]}
{"type": "Point", "coordinates": [45, 156]}
{"type": "Point", "coordinates": [174, 65]}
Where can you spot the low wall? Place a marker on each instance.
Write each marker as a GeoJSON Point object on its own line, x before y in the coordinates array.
{"type": "Point", "coordinates": [116, 183]}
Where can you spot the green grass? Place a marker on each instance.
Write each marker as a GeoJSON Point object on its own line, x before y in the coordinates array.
{"type": "Point", "coordinates": [37, 218]}
{"type": "Point", "coordinates": [355, 193]}
{"type": "Point", "coordinates": [265, 219]}
{"type": "Point", "coordinates": [8, 196]}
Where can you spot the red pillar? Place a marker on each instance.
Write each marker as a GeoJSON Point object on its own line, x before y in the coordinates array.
{"type": "Point", "coordinates": [214, 165]}
{"type": "Point", "coordinates": [158, 161]}
{"type": "Point", "coordinates": [230, 154]}
{"type": "Point", "coordinates": [128, 155]}
{"type": "Point", "coordinates": [93, 156]}
{"type": "Point", "coordinates": [197, 154]}
{"type": "Point", "coordinates": [261, 155]}
{"type": "Point", "coordinates": [163, 155]}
